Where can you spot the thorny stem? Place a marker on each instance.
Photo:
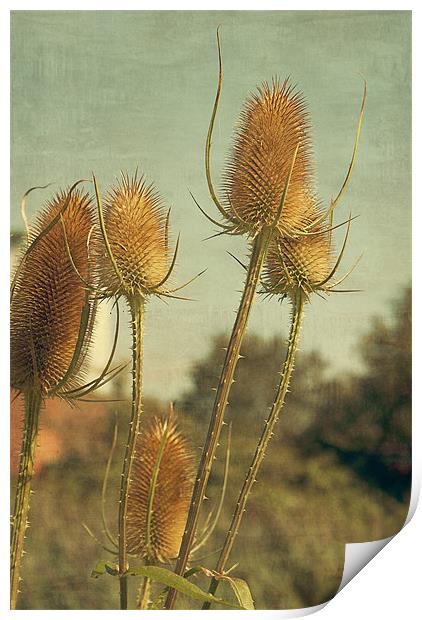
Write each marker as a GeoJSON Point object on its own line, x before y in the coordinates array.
{"type": "Point", "coordinates": [21, 509]}
{"type": "Point", "coordinates": [137, 311]}
{"type": "Point", "coordinates": [297, 318]}
{"type": "Point", "coordinates": [144, 594]}
{"type": "Point", "coordinates": [259, 251]}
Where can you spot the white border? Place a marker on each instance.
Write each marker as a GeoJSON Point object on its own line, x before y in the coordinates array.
{"type": "Point", "coordinates": [389, 586]}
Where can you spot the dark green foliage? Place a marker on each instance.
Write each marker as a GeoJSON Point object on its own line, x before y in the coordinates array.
{"type": "Point", "coordinates": [367, 419]}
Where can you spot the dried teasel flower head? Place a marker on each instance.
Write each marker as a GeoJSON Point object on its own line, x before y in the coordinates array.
{"type": "Point", "coordinates": [52, 309]}
{"type": "Point", "coordinates": [138, 261]}
{"type": "Point", "coordinates": [160, 491]}
{"type": "Point", "coordinates": [294, 264]}
{"type": "Point", "coordinates": [273, 124]}
{"type": "Point", "coordinates": [306, 264]}
{"type": "Point", "coordinates": [268, 181]}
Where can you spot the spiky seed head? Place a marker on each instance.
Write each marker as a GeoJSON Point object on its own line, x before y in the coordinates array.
{"type": "Point", "coordinates": [303, 263]}
{"type": "Point", "coordinates": [136, 228]}
{"type": "Point", "coordinates": [273, 122]}
{"type": "Point", "coordinates": [160, 448]}
{"type": "Point", "coordinates": [49, 297]}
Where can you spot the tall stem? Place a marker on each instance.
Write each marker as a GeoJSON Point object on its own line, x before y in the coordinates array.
{"type": "Point", "coordinates": [144, 593]}
{"type": "Point", "coordinates": [23, 491]}
{"type": "Point", "coordinates": [137, 308]}
{"type": "Point", "coordinates": [221, 399]}
{"type": "Point", "coordinates": [267, 433]}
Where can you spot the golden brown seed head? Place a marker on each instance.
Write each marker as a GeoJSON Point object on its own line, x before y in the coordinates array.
{"type": "Point", "coordinates": [136, 228]}
{"type": "Point", "coordinates": [49, 296]}
{"type": "Point", "coordinates": [272, 124]}
{"type": "Point", "coordinates": [293, 264]}
{"type": "Point", "coordinates": [172, 492]}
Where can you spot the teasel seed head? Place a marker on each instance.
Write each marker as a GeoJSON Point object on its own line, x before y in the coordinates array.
{"type": "Point", "coordinates": [160, 491]}
{"type": "Point", "coordinates": [293, 264]}
{"type": "Point", "coordinates": [273, 123]}
{"type": "Point", "coordinates": [50, 297]}
{"type": "Point", "coordinates": [137, 230]}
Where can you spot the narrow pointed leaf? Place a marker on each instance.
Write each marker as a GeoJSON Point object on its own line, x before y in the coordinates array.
{"type": "Point", "coordinates": [182, 585]}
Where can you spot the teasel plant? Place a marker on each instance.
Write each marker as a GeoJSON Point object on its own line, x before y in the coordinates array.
{"type": "Point", "coordinates": [53, 304]}
{"type": "Point", "coordinates": [295, 268]}
{"type": "Point", "coordinates": [135, 263]}
{"type": "Point", "coordinates": [158, 499]}
{"type": "Point", "coordinates": [265, 193]}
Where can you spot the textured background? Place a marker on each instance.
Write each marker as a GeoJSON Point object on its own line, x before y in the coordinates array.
{"type": "Point", "coordinates": [106, 91]}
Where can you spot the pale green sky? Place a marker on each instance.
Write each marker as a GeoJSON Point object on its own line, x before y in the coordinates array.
{"type": "Point", "coordinates": [111, 90]}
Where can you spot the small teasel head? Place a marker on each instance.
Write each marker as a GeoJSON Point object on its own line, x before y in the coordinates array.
{"type": "Point", "coordinates": [136, 229]}
{"type": "Point", "coordinates": [160, 491]}
{"type": "Point", "coordinates": [305, 264]}
{"type": "Point", "coordinates": [135, 258]}
{"type": "Point", "coordinates": [272, 135]}
{"type": "Point", "coordinates": [52, 307]}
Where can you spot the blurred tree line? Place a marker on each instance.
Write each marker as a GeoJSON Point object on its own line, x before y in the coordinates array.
{"type": "Point", "coordinates": [337, 471]}
{"type": "Point", "coordinates": [365, 419]}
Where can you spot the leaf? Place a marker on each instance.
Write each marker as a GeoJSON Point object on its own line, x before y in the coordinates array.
{"type": "Point", "coordinates": [239, 586]}
{"type": "Point", "coordinates": [104, 567]}
{"type": "Point", "coordinates": [170, 579]}
{"type": "Point", "coordinates": [242, 592]}
{"type": "Point", "coordinates": [192, 571]}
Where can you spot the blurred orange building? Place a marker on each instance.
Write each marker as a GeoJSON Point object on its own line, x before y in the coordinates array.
{"type": "Point", "coordinates": [64, 431]}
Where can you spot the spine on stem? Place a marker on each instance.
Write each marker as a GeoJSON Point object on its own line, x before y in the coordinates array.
{"type": "Point", "coordinates": [23, 491]}
{"type": "Point", "coordinates": [217, 417]}
{"type": "Point", "coordinates": [137, 308]}
{"type": "Point", "coordinates": [297, 319]}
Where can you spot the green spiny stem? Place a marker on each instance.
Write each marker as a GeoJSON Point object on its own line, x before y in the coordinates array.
{"type": "Point", "coordinates": [259, 251]}
{"type": "Point", "coordinates": [267, 433]}
{"type": "Point", "coordinates": [21, 509]}
{"type": "Point", "coordinates": [144, 594]}
{"type": "Point", "coordinates": [137, 309]}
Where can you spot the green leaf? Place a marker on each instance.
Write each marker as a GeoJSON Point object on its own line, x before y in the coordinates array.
{"type": "Point", "coordinates": [239, 587]}
{"type": "Point", "coordinates": [170, 579]}
{"type": "Point", "coordinates": [242, 591]}
{"type": "Point", "coordinates": [192, 571]}
{"type": "Point", "coordinates": [104, 567]}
